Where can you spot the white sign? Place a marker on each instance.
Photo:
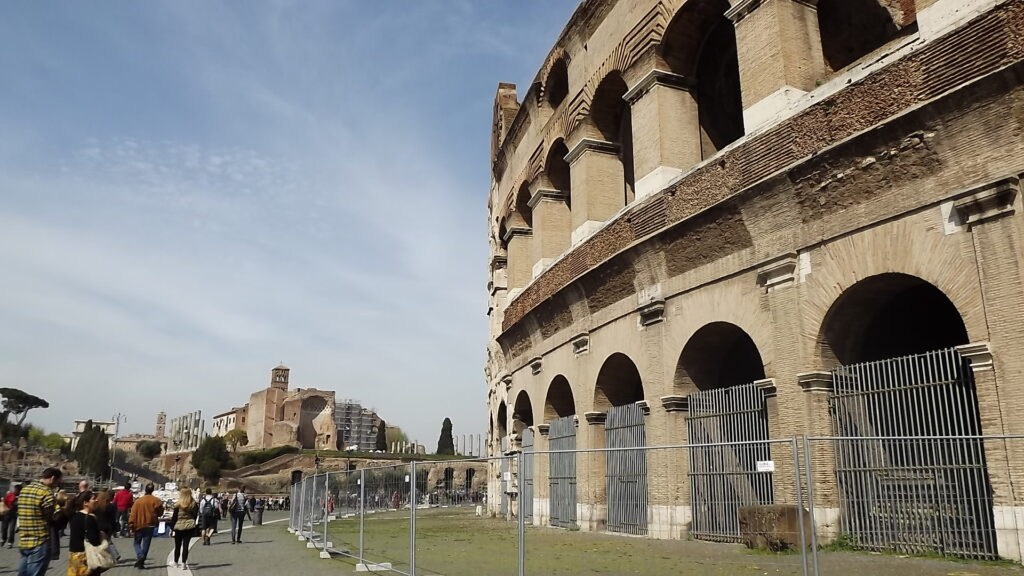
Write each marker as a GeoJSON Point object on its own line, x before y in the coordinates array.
{"type": "Point", "coordinates": [406, 477]}
{"type": "Point", "coordinates": [766, 466]}
{"type": "Point", "coordinates": [508, 476]}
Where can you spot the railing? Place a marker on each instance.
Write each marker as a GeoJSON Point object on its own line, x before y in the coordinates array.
{"type": "Point", "coordinates": [839, 504]}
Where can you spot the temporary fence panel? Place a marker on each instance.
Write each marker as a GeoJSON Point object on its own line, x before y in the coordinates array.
{"type": "Point", "coordinates": [626, 470]}
{"type": "Point", "coordinates": [907, 483]}
{"type": "Point", "coordinates": [730, 459]}
{"type": "Point", "coordinates": [527, 474]}
{"type": "Point", "coordinates": [506, 472]}
{"type": "Point", "coordinates": [562, 471]}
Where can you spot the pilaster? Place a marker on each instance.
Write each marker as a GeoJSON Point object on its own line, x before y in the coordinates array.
{"type": "Point", "coordinates": [552, 224]}
{"type": "Point", "coordinates": [598, 185]}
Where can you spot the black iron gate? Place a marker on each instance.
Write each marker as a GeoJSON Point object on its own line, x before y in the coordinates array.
{"type": "Point", "coordinates": [562, 472]}
{"type": "Point", "coordinates": [626, 470]}
{"type": "Point", "coordinates": [730, 459]}
{"type": "Point", "coordinates": [909, 481]}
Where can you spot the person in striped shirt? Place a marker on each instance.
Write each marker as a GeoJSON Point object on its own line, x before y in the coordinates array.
{"type": "Point", "coordinates": [36, 506]}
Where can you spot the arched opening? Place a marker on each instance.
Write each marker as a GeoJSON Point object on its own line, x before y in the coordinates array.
{"type": "Point", "coordinates": [523, 214]}
{"type": "Point", "coordinates": [449, 480]}
{"type": "Point", "coordinates": [557, 169]}
{"type": "Point", "coordinates": [312, 407]}
{"type": "Point", "coordinates": [557, 84]}
{"type": "Point", "coordinates": [522, 413]}
{"type": "Point", "coordinates": [470, 474]}
{"type": "Point", "coordinates": [700, 43]}
{"type": "Point", "coordinates": [611, 115]}
{"type": "Point", "coordinates": [907, 398]}
{"type": "Point", "coordinates": [718, 355]}
{"type": "Point", "coordinates": [886, 316]}
{"type": "Point", "coordinates": [502, 421]}
{"type": "Point", "coordinates": [852, 29]}
{"type": "Point", "coordinates": [618, 383]}
{"type": "Point", "coordinates": [559, 402]}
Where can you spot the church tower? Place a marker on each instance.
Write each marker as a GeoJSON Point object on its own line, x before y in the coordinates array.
{"type": "Point", "coordinates": [279, 377]}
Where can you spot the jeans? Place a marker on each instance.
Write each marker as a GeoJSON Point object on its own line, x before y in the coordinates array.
{"type": "Point", "coordinates": [34, 561]}
{"type": "Point", "coordinates": [122, 521]}
{"type": "Point", "coordinates": [181, 541]}
{"type": "Point", "coordinates": [7, 527]}
{"type": "Point", "coordinates": [237, 521]}
{"type": "Point", "coordinates": [143, 538]}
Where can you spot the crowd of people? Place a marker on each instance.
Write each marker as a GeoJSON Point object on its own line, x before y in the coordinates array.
{"type": "Point", "coordinates": [42, 514]}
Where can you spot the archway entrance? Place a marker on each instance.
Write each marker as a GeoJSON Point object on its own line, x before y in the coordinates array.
{"type": "Point", "coordinates": [619, 390]}
{"type": "Point", "coordinates": [560, 412]}
{"type": "Point", "coordinates": [727, 427]}
{"type": "Point", "coordinates": [911, 471]}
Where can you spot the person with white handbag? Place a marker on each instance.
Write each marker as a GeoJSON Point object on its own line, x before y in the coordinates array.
{"type": "Point", "coordinates": [88, 554]}
{"type": "Point", "coordinates": [183, 525]}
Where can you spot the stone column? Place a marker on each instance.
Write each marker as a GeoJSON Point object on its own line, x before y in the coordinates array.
{"type": "Point", "coordinates": [590, 476]}
{"type": "Point", "coordinates": [519, 240]}
{"type": "Point", "coordinates": [666, 130]}
{"type": "Point", "coordinates": [779, 50]}
{"type": "Point", "coordinates": [677, 471]}
{"type": "Point", "coordinates": [598, 185]}
{"type": "Point", "coordinates": [552, 224]}
{"type": "Point", "coordinates": [817, 387]}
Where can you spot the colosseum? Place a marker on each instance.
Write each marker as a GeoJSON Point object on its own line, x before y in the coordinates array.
{"type": "Point", "coordinates": [781, 236]}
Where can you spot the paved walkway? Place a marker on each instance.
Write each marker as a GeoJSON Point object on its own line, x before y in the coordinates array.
{"type": "Point", "coordinates": [266, 550]}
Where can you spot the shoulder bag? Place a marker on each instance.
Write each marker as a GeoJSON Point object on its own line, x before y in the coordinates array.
{"type": "Point", "coordinates": [99, 557]}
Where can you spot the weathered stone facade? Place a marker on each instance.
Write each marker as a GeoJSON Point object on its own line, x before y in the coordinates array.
{"type": "Point", "coordinates": [699, 193]}
{"type": "Point", "coordinates": [278, 416]}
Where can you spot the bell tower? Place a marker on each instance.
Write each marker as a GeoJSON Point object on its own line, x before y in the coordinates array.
{"type": "Point", "coordinates": [279, 377]}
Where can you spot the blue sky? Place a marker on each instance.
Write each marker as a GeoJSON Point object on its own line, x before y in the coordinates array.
{"type": "Point", "coordinates": [194, 191]}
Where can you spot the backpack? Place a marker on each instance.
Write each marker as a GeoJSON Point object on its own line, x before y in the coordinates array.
{"type": "Point", "coordinates": [208, 508]}
{"type": "Point", "coordinates": [238, 504]}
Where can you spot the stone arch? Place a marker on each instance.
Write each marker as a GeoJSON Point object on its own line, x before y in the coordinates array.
{"type": "Point", "coordinates": [523, 214]}
{"type": "Point", "coordinates": [560, 401]}
{"type": "Point", "coordinates": [618, 383]}
{"type": "Point", "coordinates": [718, 355]}
{"type": "Point", "coordinates": [610, 114]}
{"type": "Point", "coordinates": [311, 407]}
{"type": "Point", "coordinates": [501, 420]}
{"type": "Point", "coordinates": [888, 315]}
{"type": "Point", "coordinates": [557, 169]}
{"type": "Point", "coordinates": [556, 86]}
{"type": "Point", "coordinates": [700, 44]}
{"type": "Point", "coordinates": [852, 29]}
{"type": "Point", "coordinates": [522, 412]}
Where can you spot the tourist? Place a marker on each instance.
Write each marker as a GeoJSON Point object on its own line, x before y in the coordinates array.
{"type": "Point", "coordinates": [58, 522]}
{"type": "Point", "coordinates": [84, 528]}
{"type": "Point", "coordinates": [10, 519]}
{"type": "Point", "coordinates": [142, 520]}
{"type": "Point", "coordinates": [183, 525]}
{"type": "Point", "coordinates": [106, 518]}
{"type": "Point", "coordinates": [83, 486]}
{"type": "Point", "coordinates": [36, 507]}
{"type": "Point", "coordinates": [238, 508]}
{"type": "Point", "coordinates": [209, 514]}
{"type": "Point", "coordinates": [123, 500]}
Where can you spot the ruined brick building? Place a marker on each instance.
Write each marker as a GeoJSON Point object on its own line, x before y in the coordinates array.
{"type": "Point", "coordinates": [727, 221]}
{"type": "Point", "coordinates": [277, 416]}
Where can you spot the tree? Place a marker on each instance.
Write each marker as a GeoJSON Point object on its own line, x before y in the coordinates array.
{"type": "Point", "coordinates": [236, 438]}
{"type": "Point", "coordinates": [445, 444]}
{"type": "Point", "coordinates": [19, 402]}
{"type": "Point", "coordinates": [210, 458]}
{"type": "Point", "coordinates": [93, 451]}
{"type": "Point", "coordinates": [394, 435]}
{"type": "Point", "coordinates": [382, 436]}
{"type": "Point", "coordinates": [149, 448]}
{"type": "Point", "coordinates": [53, 441]}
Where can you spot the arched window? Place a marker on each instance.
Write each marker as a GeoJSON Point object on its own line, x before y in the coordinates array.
{"type": "Point", "coordinates": [556, 87]}
{"type": "Point", "coordinates": [852, 29]}
{"type": "Point", "coordinates": [611, 115]}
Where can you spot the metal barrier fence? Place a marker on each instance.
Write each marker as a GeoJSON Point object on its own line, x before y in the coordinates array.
{"type": "Point", "coordinates": [862, 504]}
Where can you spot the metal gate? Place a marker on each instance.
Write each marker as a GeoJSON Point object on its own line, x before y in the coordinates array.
{"type": "Point", "coordinates": [728, 433]}
{"type": "Point", "coordinates": [527, 474]}
{"type": "Point", "coordinates": [626, 470]}
{"type": "Point", "coordinates": [562, 473]}
{"type": "Point", "coordinates": [503, 507]}
{"type": "Point", "coordinates": [909, 481]}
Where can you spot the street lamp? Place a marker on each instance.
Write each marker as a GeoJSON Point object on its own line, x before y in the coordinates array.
{"type": "Point", "coordinates": [177, 460]}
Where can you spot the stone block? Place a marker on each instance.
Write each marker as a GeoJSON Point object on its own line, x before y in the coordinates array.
{"type": "Point", "coordinates": [774, 527]}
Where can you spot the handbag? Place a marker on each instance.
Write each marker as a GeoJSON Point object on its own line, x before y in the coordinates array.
{"type": "Point", "coordinates": [99, 557]}
{"type": "Point", "coordinates": [185, 524]}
